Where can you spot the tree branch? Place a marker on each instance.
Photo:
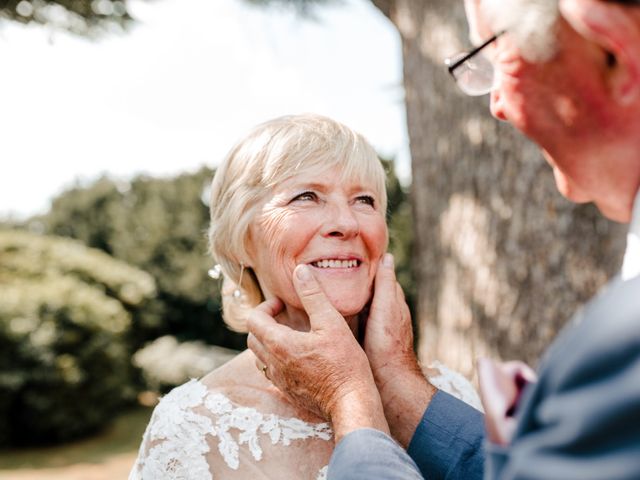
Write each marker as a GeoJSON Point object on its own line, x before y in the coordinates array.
{"type": "Point", "coordinates": [385, 6]}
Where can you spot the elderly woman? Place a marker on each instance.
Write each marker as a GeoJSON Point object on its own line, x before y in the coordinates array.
{"type": "Point", "coordinates": [297, 189]}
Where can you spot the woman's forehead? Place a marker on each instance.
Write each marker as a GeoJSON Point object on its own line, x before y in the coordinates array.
{"type": "Point", "coordinates": [327, 177]}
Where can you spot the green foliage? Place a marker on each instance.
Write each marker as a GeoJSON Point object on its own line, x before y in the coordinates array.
{"type": "Point", "coordinates": [66, 312]}
{"type": "Point", "coordinates": [159, 225]}
{"type": "Point", "coordinates": [82, 17]}
{"type": "Point", "coordinates": [304, 7]}
{"type": "Point", "coordinates": [399, 219]}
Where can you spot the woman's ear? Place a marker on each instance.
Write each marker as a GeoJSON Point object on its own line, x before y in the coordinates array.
{"type": "Point", "coordinates": [248, 252]}
{"type": "Point", "coordinates": [616, 29]}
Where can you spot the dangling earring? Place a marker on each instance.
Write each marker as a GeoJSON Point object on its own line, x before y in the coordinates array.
{"type": "Point", "coordinates": [237, 292]}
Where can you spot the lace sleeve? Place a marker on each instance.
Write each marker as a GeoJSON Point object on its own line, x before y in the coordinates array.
{"type": "Point", "coordinates": [174, 445]}
{"type": "Point", "coordinates": [197, 434]}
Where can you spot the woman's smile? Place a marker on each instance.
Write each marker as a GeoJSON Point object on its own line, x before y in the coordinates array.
{"type": "Point", "coordinates": [337, 262]}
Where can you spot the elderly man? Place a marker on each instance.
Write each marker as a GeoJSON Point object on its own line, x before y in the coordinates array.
{"type": "Point", "coordinates": [567, 74]}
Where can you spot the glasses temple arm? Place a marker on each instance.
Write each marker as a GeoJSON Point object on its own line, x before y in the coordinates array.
{"type": "Point", "coordinates": [473, 52]}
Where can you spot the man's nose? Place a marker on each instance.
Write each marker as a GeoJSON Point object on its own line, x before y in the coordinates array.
{"type": "Point", "coordinates": [341, 221]}
{"type": "Point", "coordinates": [497, 102]}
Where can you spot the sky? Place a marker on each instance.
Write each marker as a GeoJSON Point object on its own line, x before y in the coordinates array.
{"type": "Point", "coordinates": [176, 91]}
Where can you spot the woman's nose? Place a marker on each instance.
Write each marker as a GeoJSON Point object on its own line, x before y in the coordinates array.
{"type": "Point", "coordinates": [341, 222]}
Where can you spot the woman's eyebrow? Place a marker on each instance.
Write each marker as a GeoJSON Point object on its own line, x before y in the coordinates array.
{"type": "Point", "coordinates": [309, 185]}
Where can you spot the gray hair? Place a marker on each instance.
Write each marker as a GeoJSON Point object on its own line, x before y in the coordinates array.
{"type": "Point", "coordinates": [531, 23]}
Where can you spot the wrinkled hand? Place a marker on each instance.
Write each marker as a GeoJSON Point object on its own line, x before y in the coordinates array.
{"type": "Point", "coordinates": [323, 370]}
{"type": "Point", "coordinates": [501, 386]}
{"type": "Point", "coordinates": [388, 339]}
{"type": "Point", "coordinates": [388, 342]}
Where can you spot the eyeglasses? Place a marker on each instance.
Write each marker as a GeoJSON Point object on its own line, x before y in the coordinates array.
{"type": "Point", "coordinates": [472, 71]}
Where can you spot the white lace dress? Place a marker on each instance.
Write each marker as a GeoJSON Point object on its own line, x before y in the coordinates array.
{"type": "Point", "coordinates": [199, 434]}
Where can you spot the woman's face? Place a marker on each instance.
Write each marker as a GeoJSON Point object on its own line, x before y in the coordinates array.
{"type": "Point", "coordinates": [336, 227]}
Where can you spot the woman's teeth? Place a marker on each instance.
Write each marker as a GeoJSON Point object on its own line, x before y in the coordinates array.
{"type": "Point", "coordinates": [335, 263]}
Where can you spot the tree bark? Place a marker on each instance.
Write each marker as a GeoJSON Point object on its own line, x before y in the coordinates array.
{"type": "Point", "coordinates": [502, 260]}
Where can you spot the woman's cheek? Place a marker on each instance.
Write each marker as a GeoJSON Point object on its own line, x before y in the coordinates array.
{"type": "Point", "coordinates": [274, 227]}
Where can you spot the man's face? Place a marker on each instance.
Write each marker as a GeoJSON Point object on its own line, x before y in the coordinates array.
{"type": "Point", "coordinates": [558, 104]}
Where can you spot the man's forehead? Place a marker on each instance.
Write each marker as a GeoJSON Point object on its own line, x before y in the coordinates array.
{"type": "Point", "coordinates": [475, 20]}
{"type": "Point", "coordinates": [488, 17]}
{"type": "Point", "coordinates": [529, 22]}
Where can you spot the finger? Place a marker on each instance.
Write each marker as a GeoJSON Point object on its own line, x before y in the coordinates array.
{"type": "Point", "coordinates": [405, 313]}
{"type": "Point", "coordinates": [400, 293]}
{"type": "Point", "coordinates": [263, 326]}
{"type": "Point", "coordinates": [271, 307]}
{"type": "Point", "coordinates": [516, 368]}
{"type": "Point", "coordinates": [497, 393]}
{"type": "Point", "coordinates": [497, 388]}
{"type": "Point", "coordinates": [315, 302]}
{"type": "Point", "coordinates": [262, 356]}
{"type": "Point", "coordinates": [385, 292]}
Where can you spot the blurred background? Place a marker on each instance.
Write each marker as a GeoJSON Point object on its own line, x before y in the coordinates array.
{"type": "Point", "coordinates": [114, 117]}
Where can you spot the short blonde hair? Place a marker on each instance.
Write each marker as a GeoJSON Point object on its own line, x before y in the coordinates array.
{"type": "Point", "coordinates": [271, 153]}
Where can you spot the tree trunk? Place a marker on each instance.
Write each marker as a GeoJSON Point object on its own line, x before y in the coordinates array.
{"type": "Point", "coordinates": [502, 260]}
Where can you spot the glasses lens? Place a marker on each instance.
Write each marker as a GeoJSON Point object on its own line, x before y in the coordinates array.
{"type": "Point", "coordinates": [475, 75]}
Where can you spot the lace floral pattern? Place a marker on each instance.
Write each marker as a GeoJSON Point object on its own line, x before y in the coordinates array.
{"type": "Point", "coordinates": [455, 384]}
{"type": "Point", "coordinates": [175, 444]}
{"type": "Point", "coordinates": [191, 419]}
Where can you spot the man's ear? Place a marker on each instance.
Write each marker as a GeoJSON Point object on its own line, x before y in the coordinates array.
{"type": "Point", "coordinates": [616, 29]}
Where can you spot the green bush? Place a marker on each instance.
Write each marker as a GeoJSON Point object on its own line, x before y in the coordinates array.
{"type": "Point", "coordinates": [400, 222]}
{"type": "Point", "coordinates": [66, 314]}
{"type": "Point", "coordinates": [159, 225]}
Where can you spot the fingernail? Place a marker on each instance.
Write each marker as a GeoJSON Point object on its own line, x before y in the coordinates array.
{"type": "Point", "coordinates": [303, 273]}
{"type": "Point", "coordinates": [387, 260]}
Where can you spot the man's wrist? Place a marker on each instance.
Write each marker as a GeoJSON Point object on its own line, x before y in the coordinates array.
{"type": "Point", "coordinates": [356, 409]}
{"type": "Point", "coordinates": [405, 394]}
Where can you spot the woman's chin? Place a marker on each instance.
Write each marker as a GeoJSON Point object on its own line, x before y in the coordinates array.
{"type": "Point", "coordinates": [348, 307]}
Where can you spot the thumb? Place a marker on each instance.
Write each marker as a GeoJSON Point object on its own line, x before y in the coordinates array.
{"type": "Point", "coordinates": [315, 302]}
{"type": "Point", "coordinates": [384, 297]}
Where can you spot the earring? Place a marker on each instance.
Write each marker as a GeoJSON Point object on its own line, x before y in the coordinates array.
{"type": "Point", "coordinates": [215, 272]}
{"type": "Point", "coordinates": [236, 292]}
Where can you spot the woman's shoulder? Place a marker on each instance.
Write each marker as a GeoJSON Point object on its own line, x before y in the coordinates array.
{"type": "Point", "coordinates": [221, 419]}
{"type": "Point", "coordinates": [217, 393]}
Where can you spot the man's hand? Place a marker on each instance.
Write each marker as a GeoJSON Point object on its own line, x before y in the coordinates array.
{"type": "Point", "coordinates": [388, 342]}
{"type": "Point", "coordinates": [501, 386]}
{"type": "Point", "coordinates": [388, 339]}
{"type": "Point", "coordinates": [323, 370]}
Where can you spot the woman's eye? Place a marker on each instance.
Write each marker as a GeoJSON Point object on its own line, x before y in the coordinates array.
{"type": "Point", "coordinates": [367, 200]}
{"type": "Point", "coordinates": [305, 196]}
